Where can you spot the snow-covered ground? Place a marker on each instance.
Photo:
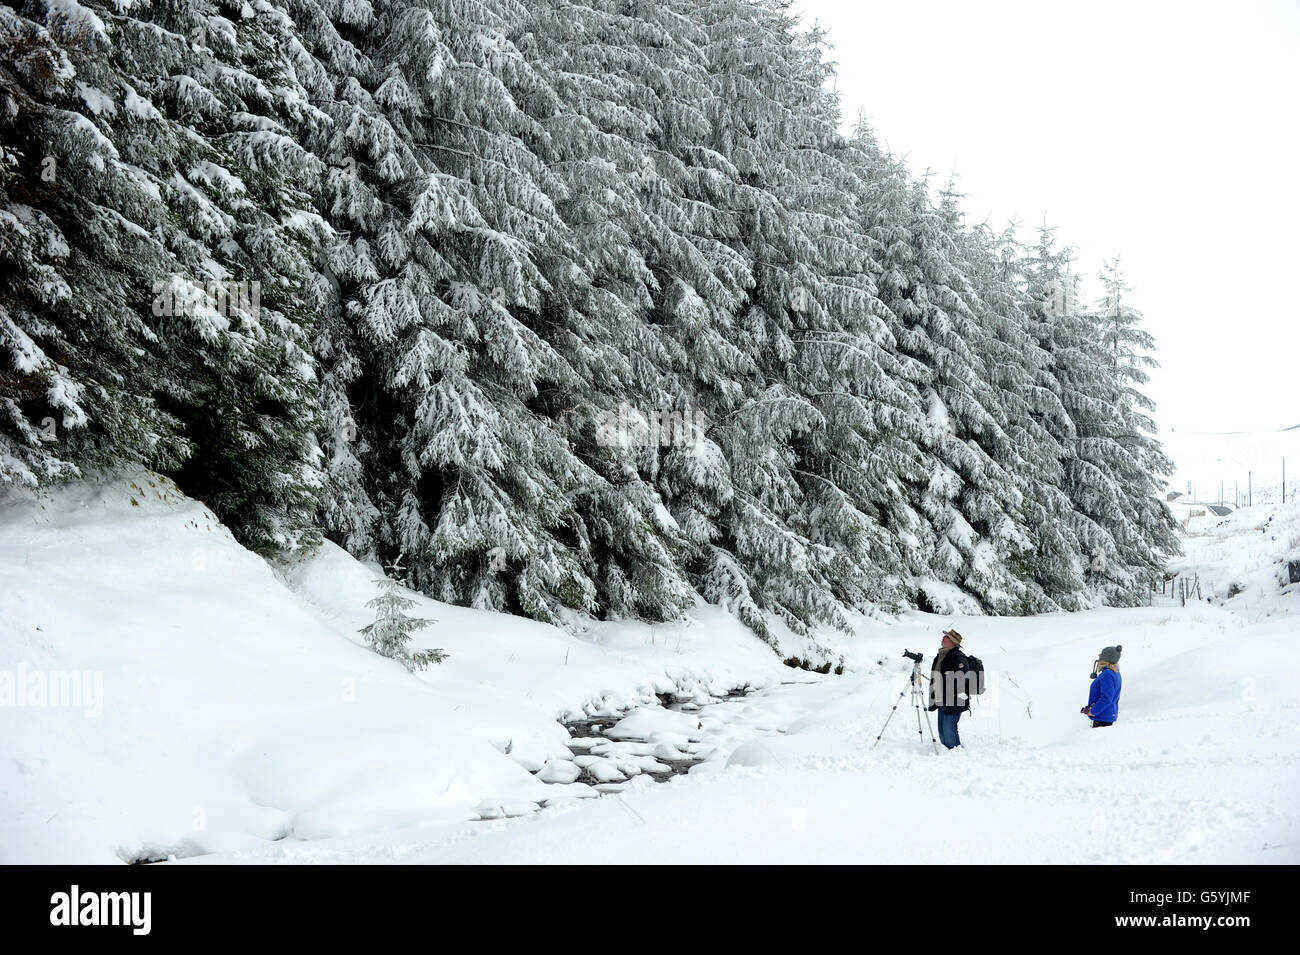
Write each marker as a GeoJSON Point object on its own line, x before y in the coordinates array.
{"type": "Point", "coordinates": [230, 713]}
{"type": "Point", "coordinates": [1243, 561]}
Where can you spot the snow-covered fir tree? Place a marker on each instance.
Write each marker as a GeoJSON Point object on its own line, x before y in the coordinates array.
{"type": "Point", "coordinates": [389, 634]}
{"type": "Point", "coordinates": [1120, 523]}
{"type": "Point", "coordinates": [155, 195]}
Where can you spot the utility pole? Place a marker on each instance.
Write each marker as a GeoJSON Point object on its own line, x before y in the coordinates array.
{"type": "Point", "coordinates": [1250, 497]}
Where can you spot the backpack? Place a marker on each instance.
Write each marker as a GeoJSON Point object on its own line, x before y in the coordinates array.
{"type": "Point", "coordinates": [974, 675]}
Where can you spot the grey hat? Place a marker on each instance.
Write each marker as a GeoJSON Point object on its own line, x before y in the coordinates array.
{"type": "Point", "coordinates": [1110, 654]}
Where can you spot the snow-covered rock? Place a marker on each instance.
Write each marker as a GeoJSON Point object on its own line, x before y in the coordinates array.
{"type": "Point", "coordinates": [655, 724]}
{"type": "Point", "coordinates": [559, 771]}
{"type": "Point", "coordinates": [604, 771]}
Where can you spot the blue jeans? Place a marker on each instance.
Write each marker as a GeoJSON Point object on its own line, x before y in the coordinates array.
{"type": "Point", "coordinates": [948, 717]}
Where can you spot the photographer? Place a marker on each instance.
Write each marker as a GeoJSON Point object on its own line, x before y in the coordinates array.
{"type": "Point", "coordinates": [948, 689]}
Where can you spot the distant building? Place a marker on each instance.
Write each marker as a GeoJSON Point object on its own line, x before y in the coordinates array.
{"type": "Point", "coordinates": [1173, 495]}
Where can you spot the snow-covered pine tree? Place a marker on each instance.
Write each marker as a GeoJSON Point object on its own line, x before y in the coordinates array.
{"type": "Point", "coordinates": [389, 634]}
{"type": "Point", "coordinates": [1020, 369]}
{"type": "Point", "coordinates": [155, 187]}
{"type": "Point", "coordinates": [1117, 517]}
{"type": "Point", "coordinates": [695, 284]}
{"type": "Point", "coordinates": [353, 198]}
{"type": "Point", "coordinates": [969, 501]}
{"type": "Point", "coordinates": [816, 294]}
{"type": "Point", "coordinates": [1010, 505]}
{"type": "Point", "coordinates": [78, 224]}
{"type": "Point", "coordinates": [617, 414]}
{"type": "Point", "coordinates": [1131, 349]}
{"type": "Point", "coordinates": [897, 451]}
{"type": "Point", "coordinates": [767, 127]}
{"type": "Point", "coordinates": [244, 231]}
{"type": "Point", "coordinates": [449, 213]}
{"type": "Point", "coordinates": [652, 336]}
{"type": "Point", "coordinates": [856, 466]}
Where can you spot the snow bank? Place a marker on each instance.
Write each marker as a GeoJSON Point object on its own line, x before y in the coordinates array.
{"type": "Point", "coordinates": [1244, 561]}
{"type": "Point", "coordinates": [225, 711]}
{"type": "Point", "coordinates": [1200, 768]}
{"type": "Point", "coordinates": [238, 705]}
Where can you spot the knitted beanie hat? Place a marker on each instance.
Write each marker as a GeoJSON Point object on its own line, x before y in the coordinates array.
{"type": "Point", "coordinates": [1110, 654]}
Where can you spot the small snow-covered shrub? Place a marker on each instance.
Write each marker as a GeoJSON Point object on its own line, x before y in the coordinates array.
{"type": "Point", "coordinates": [391, 631]}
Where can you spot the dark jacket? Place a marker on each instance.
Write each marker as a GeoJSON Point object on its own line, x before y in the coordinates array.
{"type": "Point", "coordinates": [948, 681]}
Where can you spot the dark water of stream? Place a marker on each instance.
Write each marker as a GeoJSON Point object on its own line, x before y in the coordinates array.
{"type": "Point", "coordinates": [669, 764]}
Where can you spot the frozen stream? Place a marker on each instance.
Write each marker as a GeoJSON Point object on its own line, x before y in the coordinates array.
{"type": "Point", "coordinates": [618, 750]}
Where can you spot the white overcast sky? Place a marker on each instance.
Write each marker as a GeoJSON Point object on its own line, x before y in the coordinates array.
{"type": "Point", "coordinates": [1166, 132]}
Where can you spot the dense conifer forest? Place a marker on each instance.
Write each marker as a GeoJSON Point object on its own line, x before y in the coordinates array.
{"type": "Point", "coordinates": [577, 306]}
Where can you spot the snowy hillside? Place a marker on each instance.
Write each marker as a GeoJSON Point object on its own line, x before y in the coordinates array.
{"type": "Point", "coordinates": [1246, 562]}
{"type": "Point", "coordinates": [230, 714]}
{"type": "Point", "coordinates": [235, 712]}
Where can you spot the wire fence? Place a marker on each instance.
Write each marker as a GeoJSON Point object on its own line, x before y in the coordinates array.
{"type": "Point", "coordinates": [1245, 493]}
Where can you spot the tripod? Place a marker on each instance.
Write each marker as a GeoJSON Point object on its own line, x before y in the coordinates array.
{"type": "Point", "coordinates": [918, 699]}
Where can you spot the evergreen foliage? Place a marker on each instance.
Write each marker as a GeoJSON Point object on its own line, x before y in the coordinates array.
{"type": "Point", "coordinates": [390, 633]}
{"type": "Point", "coordinates": [581, 306]}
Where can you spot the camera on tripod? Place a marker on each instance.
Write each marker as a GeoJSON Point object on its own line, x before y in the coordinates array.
{"type": "Point", "coordinates": [915, 683]}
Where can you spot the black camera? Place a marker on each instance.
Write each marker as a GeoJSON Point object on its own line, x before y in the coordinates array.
{"type": "Point", "coordinates": [913, 656]}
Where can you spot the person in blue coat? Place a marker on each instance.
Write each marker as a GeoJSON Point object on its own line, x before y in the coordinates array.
{"type": "Point", "coordinates": [1103, 696]}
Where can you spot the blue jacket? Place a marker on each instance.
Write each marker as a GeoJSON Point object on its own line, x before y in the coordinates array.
{"type": "Point", "coordinates": [1103, 697]}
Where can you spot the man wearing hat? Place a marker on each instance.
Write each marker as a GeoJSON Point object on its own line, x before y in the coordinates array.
{"type": "Point", "coordinates": [948, 687]}
{"type": "Point", "coordinates": [1103, 696]}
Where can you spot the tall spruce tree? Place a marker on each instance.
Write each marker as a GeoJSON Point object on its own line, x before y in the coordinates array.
{"type": "Point", "coordinates": [1123, 529]}
{"type": "Point", "coordinates": [159, 316]}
